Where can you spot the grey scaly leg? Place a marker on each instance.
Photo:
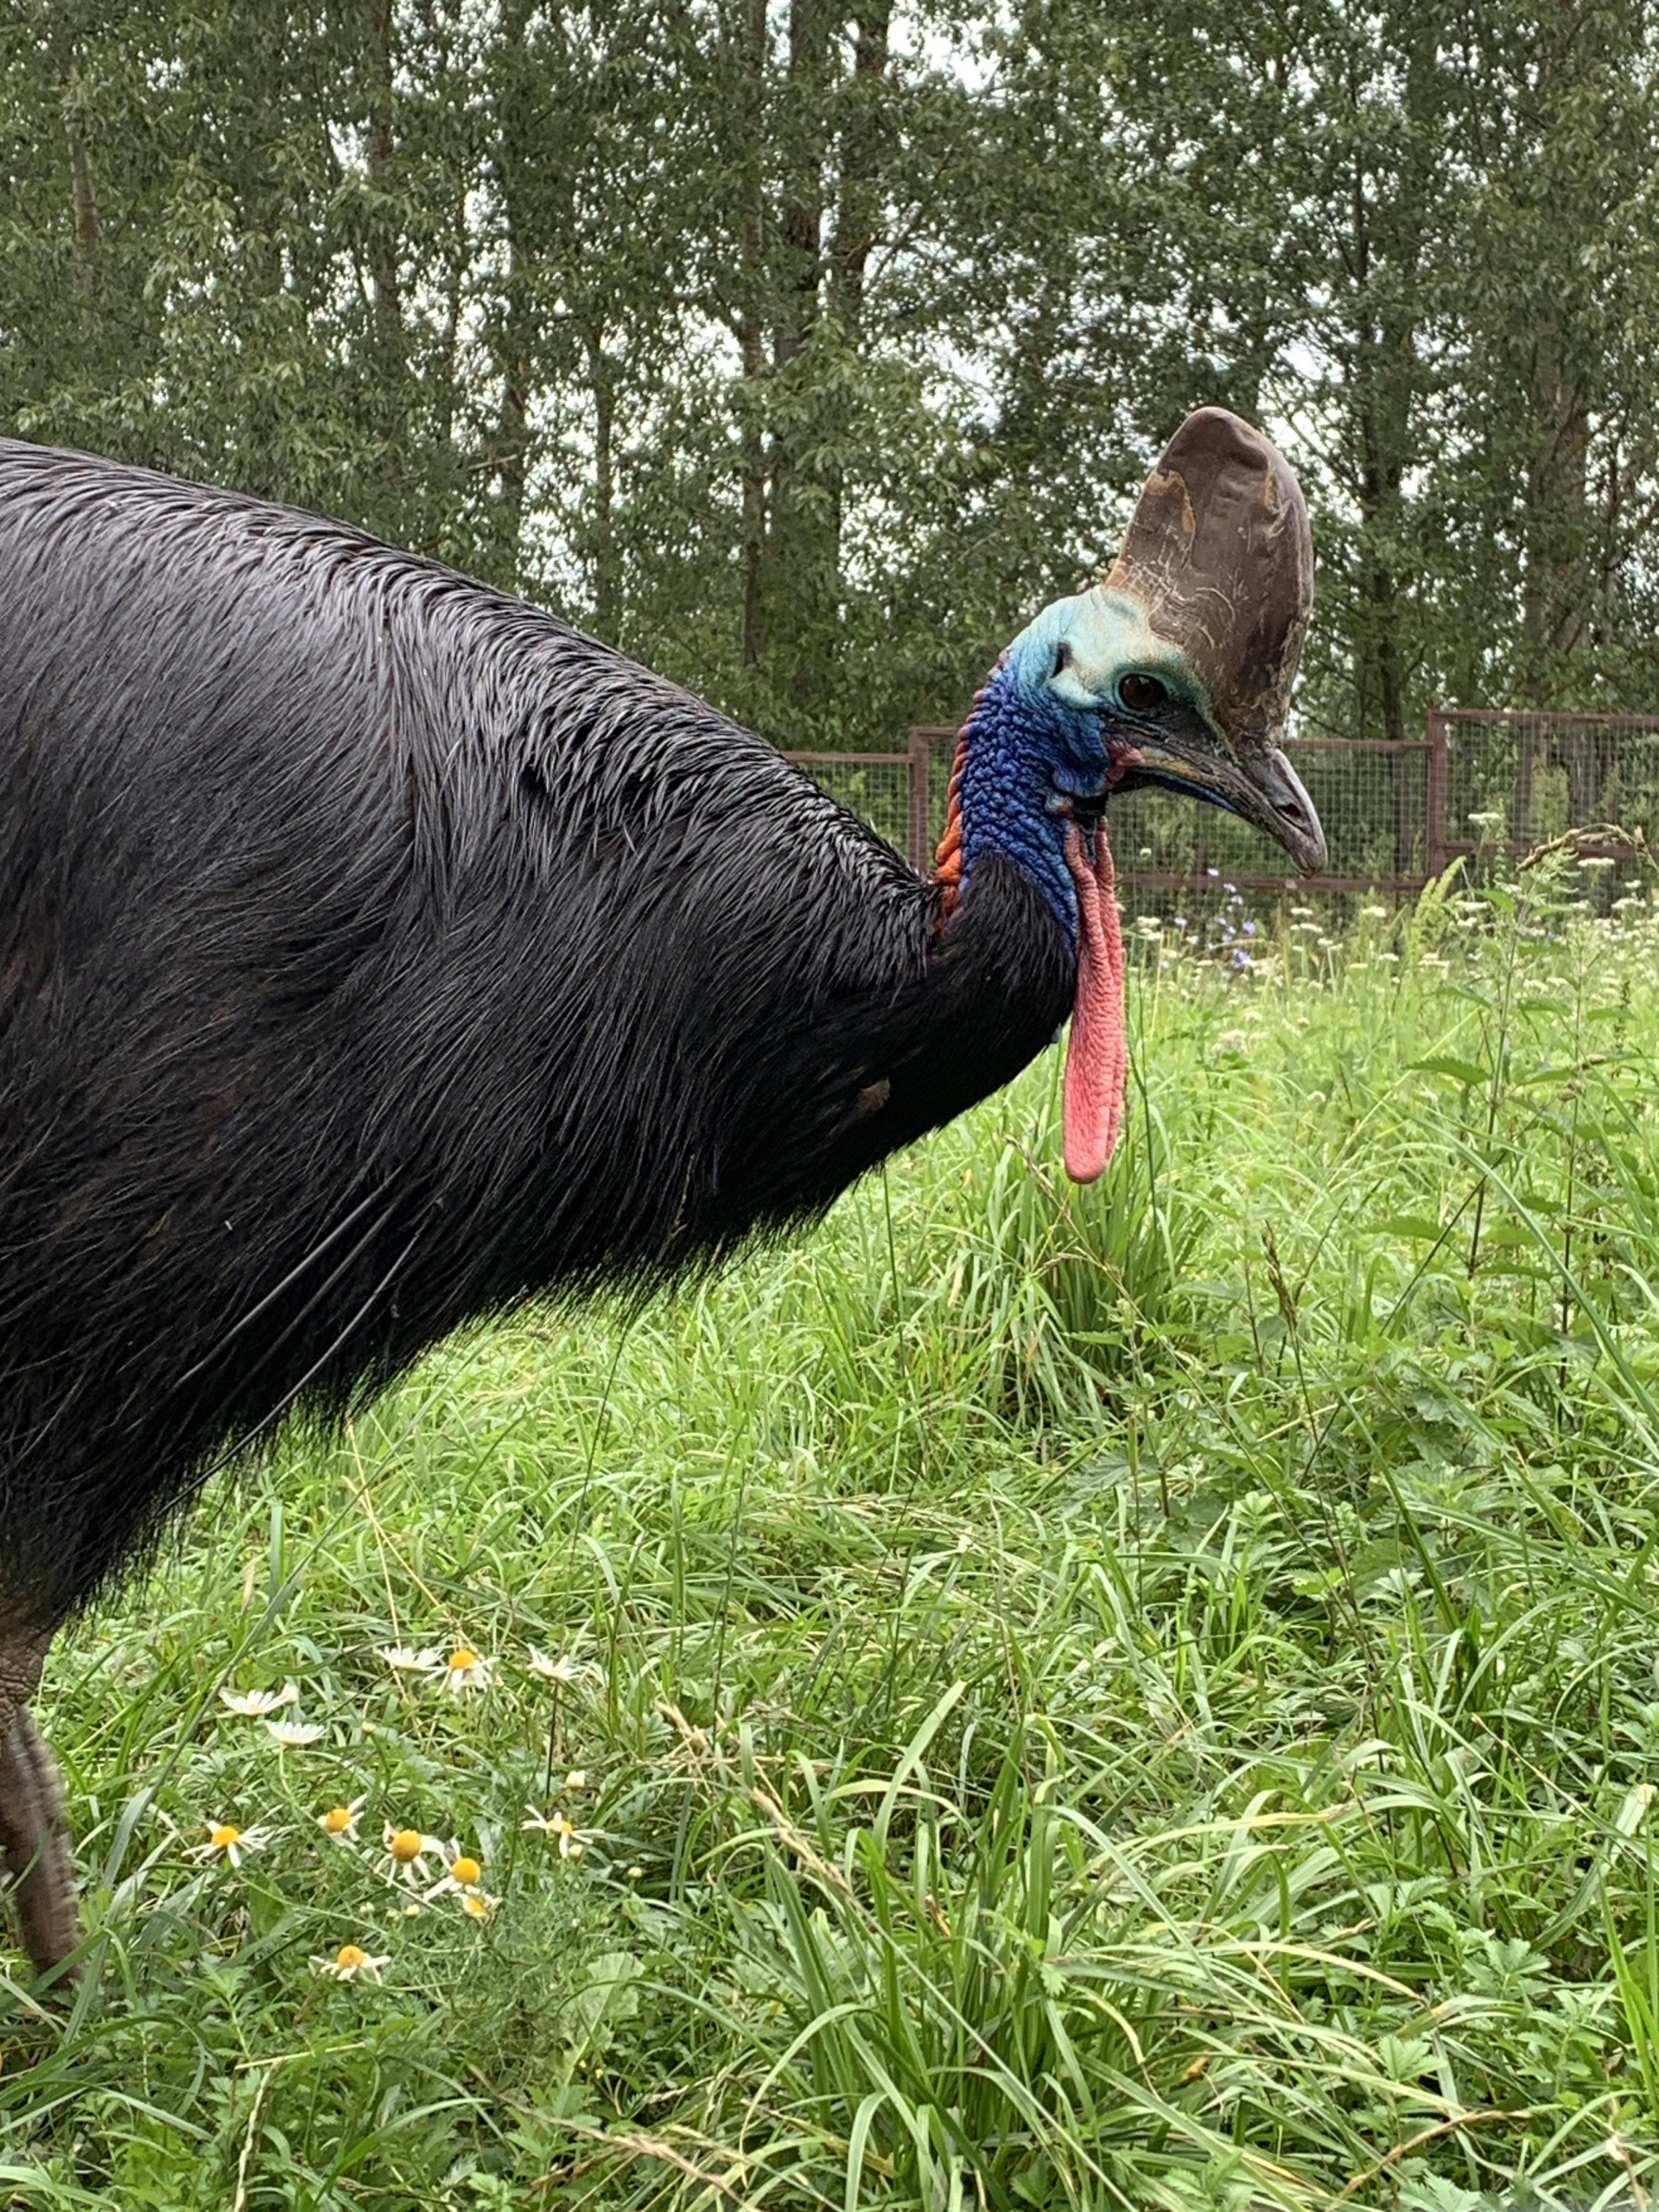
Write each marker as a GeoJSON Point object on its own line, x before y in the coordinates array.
{"type": "Point", "coordinates": [34, 1830]}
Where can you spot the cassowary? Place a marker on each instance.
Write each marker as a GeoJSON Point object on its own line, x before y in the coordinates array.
{"type": "Point", "coordinates": [376, 952]}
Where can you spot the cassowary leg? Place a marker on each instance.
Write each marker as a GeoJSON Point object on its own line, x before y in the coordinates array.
{"type": "Point", "coordinates": [34, 1829]}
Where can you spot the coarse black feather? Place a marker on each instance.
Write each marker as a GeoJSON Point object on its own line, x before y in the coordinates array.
{"type": "Point", "coordinates": [377, 952]}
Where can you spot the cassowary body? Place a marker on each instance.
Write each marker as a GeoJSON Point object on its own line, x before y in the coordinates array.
{"type": "Point", "coordinates": [376, 952]}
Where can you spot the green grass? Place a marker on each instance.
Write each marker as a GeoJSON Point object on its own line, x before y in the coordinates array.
{"type": "Point", "coordinates": [1140, 1697]}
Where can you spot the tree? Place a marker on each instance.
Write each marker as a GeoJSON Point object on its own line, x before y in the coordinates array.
{"type": "Point", "coordinates": [802, 350]}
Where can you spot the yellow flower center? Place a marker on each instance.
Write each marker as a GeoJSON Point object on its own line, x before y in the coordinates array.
{"type": "Point", "coordinates": [462, 1657]}
{"type": "Point", "coordinates": [465, 1870]}
{"type": "Point", "coordinates": [222, 1835]}
{"type": "Point", "coordinates": [405, 1846]}
{"type": "Point", "coordinates": [337, 1820]}
{"type": "Point", "coordinates": [351, 1956]}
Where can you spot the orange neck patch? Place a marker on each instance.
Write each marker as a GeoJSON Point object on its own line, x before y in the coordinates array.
{"type": "Point", "coordinates": [947, 861]}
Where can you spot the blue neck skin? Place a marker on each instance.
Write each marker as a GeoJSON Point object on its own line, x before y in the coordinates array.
{"type": "Point", "coordinates": [1025, 749]}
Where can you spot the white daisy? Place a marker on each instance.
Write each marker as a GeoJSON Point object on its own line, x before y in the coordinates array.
{"type": "Point", "coordinates": [559, 1826]}
{"type": "Point", "coordinates": [462, 1876]}
{"type": "Point", "coordinates": [294, 1735]}
{"type": "Point", "coordinates": [339, 1823]}
{"type": "Point", "coordinates": [407, 1852]}
{"type": "Point", "coordinates": [254, 1704]}
{"type": "Point", "coordinates": [465, 1670]}
{"type": "Point", "coordinates": [403, 1659]}
{"type": "Point", "coordinates": [351, 1962]}
{"type": "Point", "coordinates": [564, 1669]}
{"type": "Point", "coordinates": [226, 1841]}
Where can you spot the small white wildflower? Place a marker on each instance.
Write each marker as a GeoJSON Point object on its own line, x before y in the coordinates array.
{"type": "Point", "coordinates": [225, 1840]}
{"type": "Point", "coordinates": [464, 1670]}
{"type": "Point", "coordinates": [351, 1962]}
{"type": "Point", "coordinates": [294, 1735]}
{"type": "Point", "coordinates": [477, 1905]}
{"type": "Point", "coordinates": [1375, 914]}
{"type": "Point", "coordinates": [560, 1826]}
{"type": "Point", "coordinates": [339, 1823]}
{"type": "Point", "coordinates": [403, 1659]}
{"type": "Point", "coordinates": [254, 1704]}
{"type": "Point", "coordinates": [564, 1669]}
{"type": "Point", "coordinates": [463, 1873]}
{"type": "Point", "coordinates": [407, 1852]}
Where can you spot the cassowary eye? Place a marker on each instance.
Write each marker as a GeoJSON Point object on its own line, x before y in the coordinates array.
{"type": "Point", "coordinates": [1141, 694]}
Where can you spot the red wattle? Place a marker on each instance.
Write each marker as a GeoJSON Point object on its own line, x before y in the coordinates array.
{"type": "Point", "coordinates": [1096, 1059]}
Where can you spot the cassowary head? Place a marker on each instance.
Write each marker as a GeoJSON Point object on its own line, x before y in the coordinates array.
{"type": "Point", "coordinates": [1175, 669]}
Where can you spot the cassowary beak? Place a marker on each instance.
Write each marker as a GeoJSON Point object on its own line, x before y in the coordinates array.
{"type": "Point", "coordinates": [1260, 784]}
{"type": "Point", "coordinates": [1219, 562]}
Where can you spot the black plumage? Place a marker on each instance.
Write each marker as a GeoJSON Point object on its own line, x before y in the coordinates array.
{"type": "Point", "coordinates": [377, 952]}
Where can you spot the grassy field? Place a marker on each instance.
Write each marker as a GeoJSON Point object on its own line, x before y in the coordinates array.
{"type": "Point", "coordinates": [1139, 1698]}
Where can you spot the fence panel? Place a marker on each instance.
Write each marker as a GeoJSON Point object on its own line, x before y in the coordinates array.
{"type": "Point", "coordinates": [1515, 779]}
{"type": "Point", "coordinates": [1396, 811]}
{"type": "Point", "coordinates": [1372, 797]}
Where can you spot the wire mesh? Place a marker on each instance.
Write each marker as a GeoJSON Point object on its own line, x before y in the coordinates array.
{"type": "Point", "coordinates": [1371, 799]}
{"type": "Point", "coordinates": [1515, 780]}
{"type": "Point", "coordinates": [1395, 812]}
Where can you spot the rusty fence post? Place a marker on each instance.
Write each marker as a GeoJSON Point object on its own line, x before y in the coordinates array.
{"type": "Point", "coordinates": [917, 840]}
{"type": "Point", "coordinates": [1435, 857]}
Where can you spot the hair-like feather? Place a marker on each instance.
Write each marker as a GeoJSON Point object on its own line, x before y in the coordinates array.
{"type": "Point", "coordinates": [376, 951]}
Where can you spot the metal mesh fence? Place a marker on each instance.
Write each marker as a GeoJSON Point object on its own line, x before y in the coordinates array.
{"type": "Point", "coordinates": [1370, 798]}
{"type": "Point", "coordinates": [1395, 813]}
{"type": "Point", "coordinates": [1514, 780]}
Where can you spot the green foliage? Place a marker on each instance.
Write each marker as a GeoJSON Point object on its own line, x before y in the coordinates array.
{"type": "Point", "coordinates": [803, 355]}
{"type": "Point", "coordinates": [1134, 1697]}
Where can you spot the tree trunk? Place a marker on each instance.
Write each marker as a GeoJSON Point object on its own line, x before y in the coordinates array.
{"type": "Point", "coordinates": [602, 380]}
{"type": "Point", "coordinates": [803, 547]}
{"type": "Point", "coordinates": [1557, 584]}
{"type": "Point", "coordinates": [89, 226]}
{"type": "Point", "coordinates": [514, 346]}
{"type": "Point", "coordinates": [1391, 215]}
{"type": "Point", "coordinates": [381, 152]}
{"type": "Point", "coordinates": [862, 146]}
{"type": "Point", "coordinates": [754, 45]}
